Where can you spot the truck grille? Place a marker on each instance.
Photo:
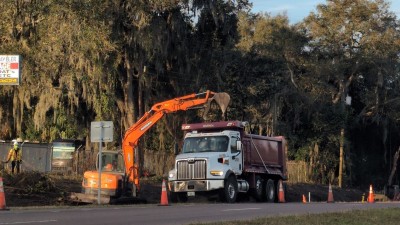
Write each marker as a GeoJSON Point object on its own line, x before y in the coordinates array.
{"type": "Point", "coordinates": [191, 170]}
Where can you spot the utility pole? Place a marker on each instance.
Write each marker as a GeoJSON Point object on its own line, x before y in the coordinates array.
{"type": "Point", "coordinates": [341, 157]}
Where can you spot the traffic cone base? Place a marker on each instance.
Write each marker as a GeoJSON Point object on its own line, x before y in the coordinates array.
{"type": "Point", "coordinates": [164, 197]}
{"type": "Point", "coordinates": [330, 195]}
{"type": "Point", "coordinates": [2, 196]}
{"type": "Point", "coordinates": [371, 197]}
{"type": "Point", "coordinates": [281, 196]}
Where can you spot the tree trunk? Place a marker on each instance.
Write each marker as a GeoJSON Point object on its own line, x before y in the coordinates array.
{"type": "Point", "coordinates": [141, 110]}
{"type": "Point", "coordinates": [394, 167]}
{"type": "Point", "coordinates": [128, 95]}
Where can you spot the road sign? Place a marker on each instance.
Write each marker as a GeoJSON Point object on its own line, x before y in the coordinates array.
{"type": "Point", "coordinates": [101, 131]}
{"type": "Point", "coordinates": [10, 69]}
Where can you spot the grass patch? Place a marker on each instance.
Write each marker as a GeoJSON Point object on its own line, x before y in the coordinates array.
{"type": "Point", "coordinates": [389, 216]}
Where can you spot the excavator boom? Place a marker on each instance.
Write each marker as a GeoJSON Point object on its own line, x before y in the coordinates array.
{"type": "Point", "coordinates": [157, 111]}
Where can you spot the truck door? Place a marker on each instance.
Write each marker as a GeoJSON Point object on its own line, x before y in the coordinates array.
{"type": "Point", "coordinates": [236, 159]}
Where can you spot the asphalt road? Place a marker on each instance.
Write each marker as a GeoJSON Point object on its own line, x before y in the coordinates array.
{"type": "Point", "coordinates": [174, 214]}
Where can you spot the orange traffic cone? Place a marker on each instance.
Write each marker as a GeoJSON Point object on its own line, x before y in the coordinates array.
{"type": "Point", "coordinates": [371, 198]}
{"type": "Point", "coordinates": [281, 196]}
{"type": "Point", "coordinates": [330, 195]}
{"type": "Point", "coordinates": [2, 196]}
{"type": "Point", "coordinates": [304, 199]}
{"type": "Point", "coordinates": [164, 197]}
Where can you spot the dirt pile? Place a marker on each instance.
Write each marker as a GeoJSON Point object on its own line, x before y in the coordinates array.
{"type": "Point", "coordinates": [38, 189]}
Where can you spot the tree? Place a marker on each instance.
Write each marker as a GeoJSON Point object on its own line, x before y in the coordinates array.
{"type": "Point", "coordinates": [272, 51]}
{"type": "Point", "coordinates": [63, 46]}
{"type": "Point", "coordinates": [354, 46]}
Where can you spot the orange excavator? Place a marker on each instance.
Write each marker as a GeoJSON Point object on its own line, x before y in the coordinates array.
{"type": "Point", "coordinates": [120, 177]}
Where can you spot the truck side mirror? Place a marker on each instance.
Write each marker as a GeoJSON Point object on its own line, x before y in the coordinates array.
{"type": "Point", "coordinates": [176, 149]}
{"type": "Point", "coordinates": [239, 145]}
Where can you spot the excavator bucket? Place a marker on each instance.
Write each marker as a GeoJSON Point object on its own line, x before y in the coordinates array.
{"type": "Point", "coordinates": [222, 99]}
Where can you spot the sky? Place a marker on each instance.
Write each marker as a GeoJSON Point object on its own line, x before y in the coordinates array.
{"type": "Point", "coordinates": [297, 10]}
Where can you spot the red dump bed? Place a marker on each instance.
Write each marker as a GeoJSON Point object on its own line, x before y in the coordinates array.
{"type": "Point", "coordinates": [264, 154]}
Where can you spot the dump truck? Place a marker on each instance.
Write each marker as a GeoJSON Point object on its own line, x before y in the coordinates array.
{"type": "Point", "coordinates": [117, 186]}
{"type": "Point", "coordinates": [221, 158]}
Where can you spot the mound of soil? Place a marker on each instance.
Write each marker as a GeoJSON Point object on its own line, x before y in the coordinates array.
{"type": "Point", "coordinates": [38, 189]}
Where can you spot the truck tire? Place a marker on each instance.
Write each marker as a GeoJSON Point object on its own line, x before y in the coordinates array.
{"type": "Point", "coordinates": [270, 191]}
{"type": "Point", "coordinates": [230, 190]}
{"type": "Point", "coordinates": [259, 189]}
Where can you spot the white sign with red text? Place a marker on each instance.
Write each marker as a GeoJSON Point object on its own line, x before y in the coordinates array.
{"type": "Point", "coordinates": [10, 69]}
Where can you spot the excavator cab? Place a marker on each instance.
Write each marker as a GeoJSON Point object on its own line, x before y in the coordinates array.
{"type": "Point", "coordinates": [112, 179]}
{"type": "Point", "coordinates": [111, 162]}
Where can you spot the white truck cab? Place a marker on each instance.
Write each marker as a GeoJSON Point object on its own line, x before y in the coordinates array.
{"type": "Point", "coordinates": [221, 156]}
{"type": "Point", "coordinates": [205, 160]}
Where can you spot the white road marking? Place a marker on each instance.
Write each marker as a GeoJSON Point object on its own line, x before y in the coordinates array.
{"type": "Point", "coordinates": [226, 210]}
{"type": "Point", "coordinates": [28, 222]}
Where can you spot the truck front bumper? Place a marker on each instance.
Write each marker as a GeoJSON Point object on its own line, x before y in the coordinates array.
{"type": "Point", "coordinates": [195, 185]}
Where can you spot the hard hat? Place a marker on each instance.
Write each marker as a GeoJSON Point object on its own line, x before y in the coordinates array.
{"type": "Point", "coordinates": [16, 145]}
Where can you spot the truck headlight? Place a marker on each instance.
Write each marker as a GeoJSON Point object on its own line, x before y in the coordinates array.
{"type": "Point", "coordinates": [171, 175]}
{"type": "Point", "coordinates": [216, 173]}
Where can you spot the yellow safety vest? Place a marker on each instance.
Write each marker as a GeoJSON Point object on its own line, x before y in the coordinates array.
{"type": "Point", "coordinates": [14, 156]}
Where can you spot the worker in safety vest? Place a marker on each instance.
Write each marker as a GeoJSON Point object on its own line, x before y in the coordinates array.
{"type": "Point", "coordinates": [15, 156]}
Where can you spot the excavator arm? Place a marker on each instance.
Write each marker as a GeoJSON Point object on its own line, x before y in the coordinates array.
{"type": "Point", "coordinates": [157, 111]}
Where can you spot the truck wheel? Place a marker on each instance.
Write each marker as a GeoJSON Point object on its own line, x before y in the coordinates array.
{"type": "Point", "coordinates": [270, 191]}
{"type": "Point", "coordinates": [230, 190]}
{"type": "Point", "coordinates": [259, 189]}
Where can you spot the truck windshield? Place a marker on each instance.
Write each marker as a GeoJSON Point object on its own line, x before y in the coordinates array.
{"type": "Point", "coordinates": [205, 144]}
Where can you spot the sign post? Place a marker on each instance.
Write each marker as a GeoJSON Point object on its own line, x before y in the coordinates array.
{"type": "Point", "coordinates": [101, 131]}
{"type": "Point", "coordinates": [10, 69]}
